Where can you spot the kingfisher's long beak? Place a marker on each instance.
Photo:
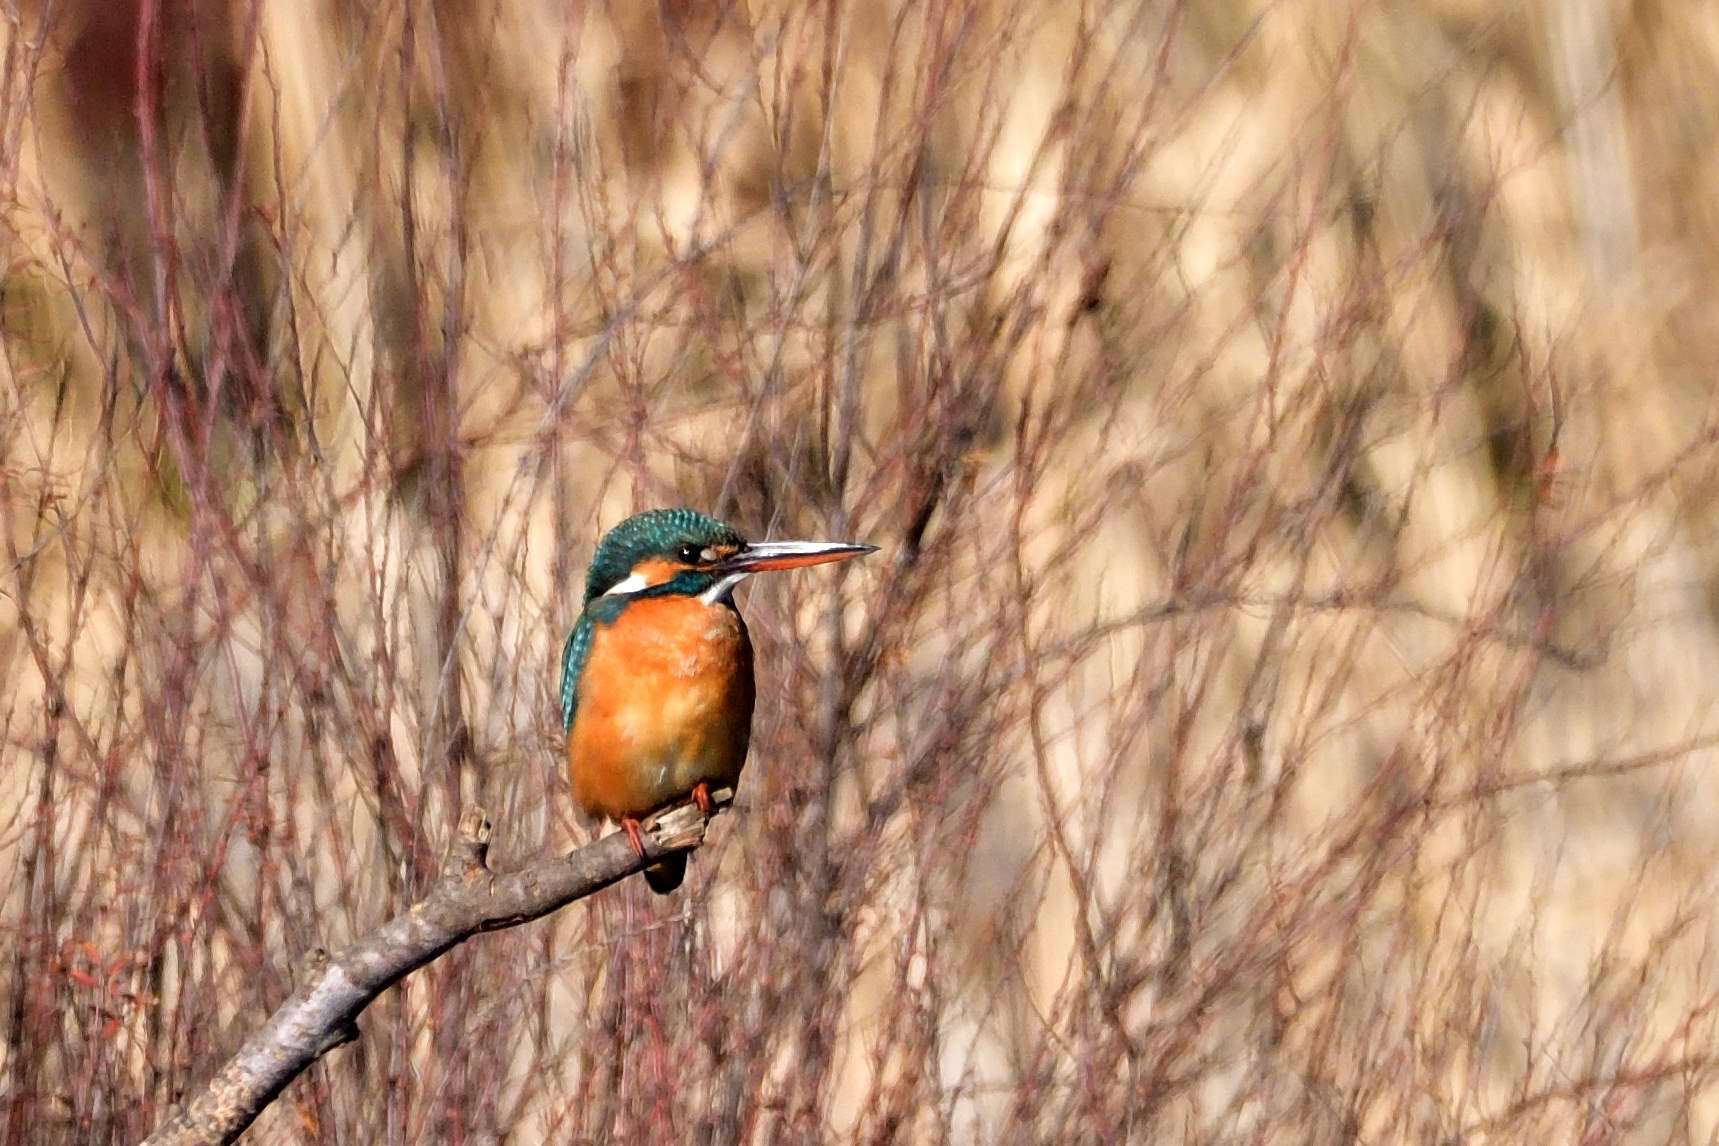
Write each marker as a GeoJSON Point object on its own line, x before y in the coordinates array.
{"type": "Point", "coordinates": [762, 555]}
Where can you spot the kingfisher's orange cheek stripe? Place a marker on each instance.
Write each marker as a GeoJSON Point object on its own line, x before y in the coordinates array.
{"type": "Point", "coordinates": [658, 571]}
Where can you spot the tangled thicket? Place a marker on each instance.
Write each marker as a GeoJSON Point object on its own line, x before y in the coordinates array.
{"type": "Point", "coordinates": [1281, 713]}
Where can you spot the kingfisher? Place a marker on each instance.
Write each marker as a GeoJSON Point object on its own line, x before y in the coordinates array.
{"type": "Point", "coordinates": [656, 676]}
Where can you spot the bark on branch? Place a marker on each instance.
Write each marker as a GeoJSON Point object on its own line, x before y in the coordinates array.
{"type": "Point", "coordinates": [467, 898]}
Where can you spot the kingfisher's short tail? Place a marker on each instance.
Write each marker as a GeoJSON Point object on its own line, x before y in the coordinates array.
{"type": "Point", "coordinates": [665, 875]}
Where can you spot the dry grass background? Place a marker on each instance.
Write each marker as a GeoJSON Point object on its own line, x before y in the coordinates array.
{"type": "Point", "coordinates": [1283, 710]}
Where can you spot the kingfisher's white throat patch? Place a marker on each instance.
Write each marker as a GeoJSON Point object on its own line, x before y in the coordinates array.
{"type": "Point", "coordinates": [722, 589]}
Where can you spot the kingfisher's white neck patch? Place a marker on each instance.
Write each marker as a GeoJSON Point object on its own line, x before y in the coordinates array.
{"type": "Point", "coordinates": [723, 589]}
{"type": "Point", "coordinates": [631, 583]}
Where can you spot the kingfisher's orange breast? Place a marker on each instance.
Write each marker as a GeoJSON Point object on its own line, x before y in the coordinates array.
{"type": "Point", "coordinates": [664, 702]}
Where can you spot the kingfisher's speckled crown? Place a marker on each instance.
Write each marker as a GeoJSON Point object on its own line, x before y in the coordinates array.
{"type": "Point", "coordinates": [654, 533]}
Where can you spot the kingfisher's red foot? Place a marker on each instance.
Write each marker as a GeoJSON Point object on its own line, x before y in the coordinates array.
{"type": "Point", "coordinates": [631, 827]}
{"type": "Point", "coordinates": [701, 797]}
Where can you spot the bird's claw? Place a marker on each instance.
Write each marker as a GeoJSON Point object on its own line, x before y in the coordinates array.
{"type": "Point", "coordinates": [631, 827]}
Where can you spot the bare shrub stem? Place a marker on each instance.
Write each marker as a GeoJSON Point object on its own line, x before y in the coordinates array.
{"type": "Point", "coordinates": [334, 990]}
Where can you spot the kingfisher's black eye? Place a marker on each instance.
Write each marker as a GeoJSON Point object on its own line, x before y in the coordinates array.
{"type": "Point", "coordinates": [689, 554]}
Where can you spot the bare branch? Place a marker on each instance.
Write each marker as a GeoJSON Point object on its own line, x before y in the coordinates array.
{"type": "Point", "coordinates": [467, 899]}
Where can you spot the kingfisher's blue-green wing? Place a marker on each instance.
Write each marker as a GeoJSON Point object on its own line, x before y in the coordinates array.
{"type": "Point", "coordinates": [573, 655]}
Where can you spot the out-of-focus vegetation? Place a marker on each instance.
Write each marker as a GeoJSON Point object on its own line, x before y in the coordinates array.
{"type": "Point", "coordinates": [1284, 710]}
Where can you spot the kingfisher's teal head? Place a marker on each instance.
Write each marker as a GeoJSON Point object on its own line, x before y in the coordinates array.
{"type": "Point", "coordinates": [681, 552]}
